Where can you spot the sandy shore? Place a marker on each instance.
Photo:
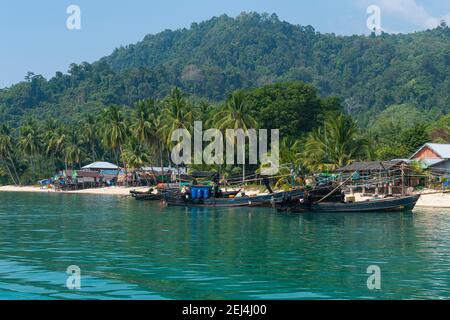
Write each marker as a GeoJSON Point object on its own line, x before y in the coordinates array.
{"type": "Point", "coordinates": [438, 200]}
{"type": "Point", "coordinates": [118, 191]}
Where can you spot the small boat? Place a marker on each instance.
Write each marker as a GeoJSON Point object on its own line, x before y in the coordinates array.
{"type": "Point", "coordinates": [401, 203]}
{"type": "Point", "coordinates": [203, 197]}
{"type": "Point", "coordinates": [147, 195]}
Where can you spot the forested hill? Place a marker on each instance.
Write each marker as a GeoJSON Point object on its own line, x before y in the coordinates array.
{"type": "Point", "coordinates": [212, 58]}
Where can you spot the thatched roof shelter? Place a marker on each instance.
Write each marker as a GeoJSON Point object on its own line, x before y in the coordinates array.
{"type": "Point", "coordinates": [372, 166]}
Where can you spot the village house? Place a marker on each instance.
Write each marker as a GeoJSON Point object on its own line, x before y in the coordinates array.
{"type": "Point", "coordinates": [435, 157]}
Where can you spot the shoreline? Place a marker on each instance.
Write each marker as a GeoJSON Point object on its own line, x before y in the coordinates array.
{"type": "Point", "coordinates": [110, 191]}
{"type": "Point", "coordinates": [115, 191]}
{"type": "Point", "coordinates": [439, 200]}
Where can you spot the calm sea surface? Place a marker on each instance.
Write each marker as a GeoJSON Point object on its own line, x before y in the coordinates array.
{"type": "Point", "coordinates": [139, 250]}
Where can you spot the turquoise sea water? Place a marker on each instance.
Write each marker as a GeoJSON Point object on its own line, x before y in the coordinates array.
{"type": "Point", "coordinates": [139, 250]}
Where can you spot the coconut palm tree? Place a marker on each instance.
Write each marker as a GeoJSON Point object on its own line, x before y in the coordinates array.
{"type": "Point", "coordinates": [158, 140]}
{"type": "Point", "coordinates": [6, 154]}
{"type": "Point", "coordinates": [30, 143]}
{"type": "Point", "coordinates": [73, 149]}
{"type": "Point", "coordinates": [145, 125]}
{"type": "Point", "coordinates": [142, 126]}
{"type": "Point", "coordinates": [114, 130]}
{"type": "Point", "coordinates": [90, 134]}
{"type": "Point", "coordinates": [289, 159]}
{"type": "Point", "coordinates": [177, 113]}
{"type": "Point", "coordinates": [236, 114]}
{"type": "Point", "coordinates": [334, 145]}
{"type": "Point", "coordinates": [56, 141]}
{"type": "Point", "coordinates": [135, 155]}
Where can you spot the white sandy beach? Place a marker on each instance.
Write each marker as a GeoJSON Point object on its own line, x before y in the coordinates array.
{"type": "Point", "coordinates": [439, 200]}
{"type": "Point", "coordinates": [119, 191]}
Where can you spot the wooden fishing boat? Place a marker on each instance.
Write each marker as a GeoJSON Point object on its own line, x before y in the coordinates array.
{"type": "Point", "coordinates": [147, 195]}
{"type": "Point", "coordinates": [267, 200]}
{"type": "Point", "coordinates": [401, 203]}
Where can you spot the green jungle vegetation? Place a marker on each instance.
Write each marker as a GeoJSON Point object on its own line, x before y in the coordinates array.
{"type": "Point", "coordinates": [335, 99]}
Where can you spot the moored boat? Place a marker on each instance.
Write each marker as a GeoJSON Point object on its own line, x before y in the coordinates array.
{"type": "Point", "coordinates": [206, 197]}
{"type": "Point", "coordinates": [400, 203]}
{"type": "Point", "coordinates": [147, 195]}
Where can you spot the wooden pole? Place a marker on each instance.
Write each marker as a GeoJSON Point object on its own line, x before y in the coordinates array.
{"type": "Point", "coordinates": [403, 179]}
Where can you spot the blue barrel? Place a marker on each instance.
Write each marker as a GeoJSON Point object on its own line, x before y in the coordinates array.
{"type": "Point", "coordinates": [200, 193]}
{"type": "Point", "coordinates": [206, 193]}
{"type": "Point", "coordinates": [194, 193]}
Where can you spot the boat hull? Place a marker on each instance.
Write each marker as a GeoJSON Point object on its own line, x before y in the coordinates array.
{"type": "Point", "coordinates": [146, 196]}
{"type": "Point", "coordinates": [269, 200]}
{"type": "Point", "coordinates": [386, 205]}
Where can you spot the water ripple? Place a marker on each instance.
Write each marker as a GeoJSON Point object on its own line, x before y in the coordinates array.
{"type": "Point", "coordinates": [137, 250]}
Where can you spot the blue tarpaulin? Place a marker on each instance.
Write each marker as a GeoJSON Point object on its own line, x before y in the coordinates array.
{"type": "Point", "coordinates": [45, 182]}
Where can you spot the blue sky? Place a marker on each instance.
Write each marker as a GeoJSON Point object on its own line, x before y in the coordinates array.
{"type": "Point", "coordinates": [34, 36]}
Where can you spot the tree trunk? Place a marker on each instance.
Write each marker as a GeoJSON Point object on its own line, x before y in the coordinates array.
{"type": "Point", "coordinates": [117, 163]}
{"type": "Point", "coordinates": [155, 181]}
{"type": "Point", "coordinates": [9, 172]}
{"type": "Point", "coordinates": [116, 157]}
{"type": "Point", "coordinates": [32, 167]}
{"type": "Point", "coordinates": [161, 158]}
{"type": "Point", "coordinates": [15, 171]}
{"type": "Point", "coordinates": [170, 163]}
{"type": "Point", "coordinates": [243, 165]}
{"type": "Point", "coordinates": [124, 165]}
{"type": "Point", "coordinates": [93, 153]}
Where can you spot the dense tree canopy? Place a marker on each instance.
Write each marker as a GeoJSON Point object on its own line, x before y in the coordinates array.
{"type": "Point", "coordinates": [218, 56]}
{"type": "Point", "coordinates": [292, 107]}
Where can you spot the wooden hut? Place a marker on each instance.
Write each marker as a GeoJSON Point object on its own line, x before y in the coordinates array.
{"type": "Point", "coordinates": [377, 177]}
{"type": "Point", "coordinates": [435, 157]}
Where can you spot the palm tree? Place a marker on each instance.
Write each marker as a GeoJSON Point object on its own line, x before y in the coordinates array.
{"type": "Point", "coordinates": [145, 119]}
{"type": "Point", "coordinates": [289, 159]}
{"type": "Point", "coordinates": [73, 149]}
{"type": "Point", "coordinates": [135, 154]}
{"type": "Point", "coordinates": [6, 153]}
{"type": "Point", "coordinates": [30, 143]}
{"type": "Point", "coordinates": [90, 134]}
{"type": "Point", "coordinates": [114, 130]}
{"type": "Point", "coordinates": [206, 111]}
{"type": "Point", "coordinates": [236, 114]}
{"type": "Point", "coordinates": [55, 143]}
{"type": "Point", "coordinates": [334, 145]}
{"type": "Point", "coordinates": [177, 113]}
{"type": "Point", "coordinates": [142, 126]}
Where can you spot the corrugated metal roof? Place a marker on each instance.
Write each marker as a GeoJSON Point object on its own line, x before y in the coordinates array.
{"type": "Point", "coordinates": [101, 165]}
{"type": "Point", "coordinates": [166, 169]}
{"type": "Point", "coordinates": [429, 162]}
